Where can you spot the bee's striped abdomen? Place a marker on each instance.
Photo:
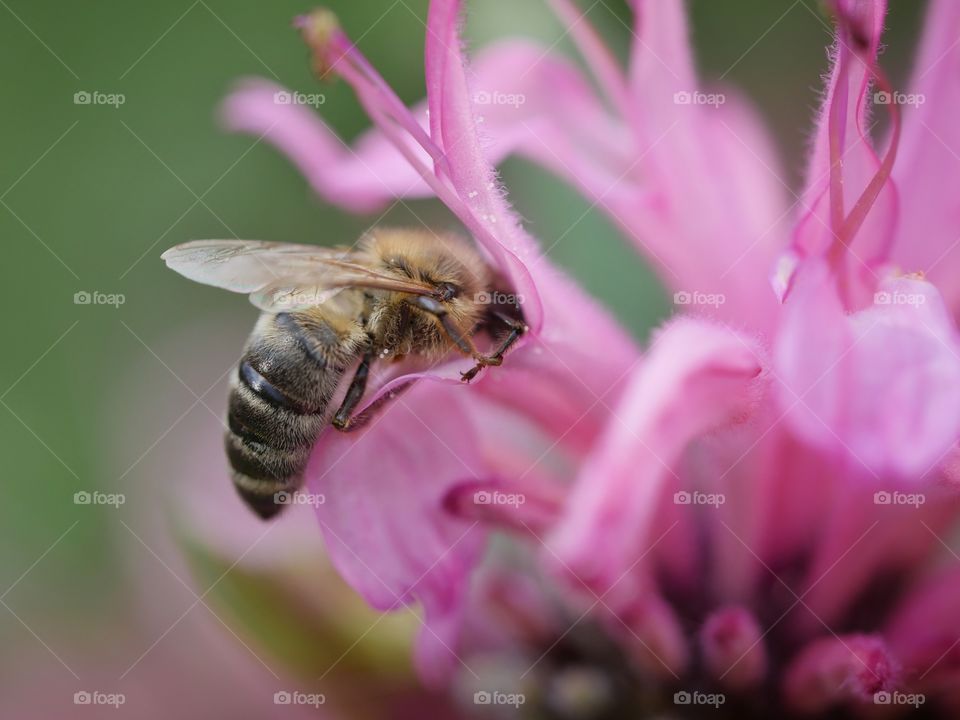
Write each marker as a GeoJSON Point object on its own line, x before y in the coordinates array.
{"type": "Point", "coordinates": [278, 403]}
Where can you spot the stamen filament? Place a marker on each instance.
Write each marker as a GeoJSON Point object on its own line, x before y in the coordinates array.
{"type": "Point", "coordinates": [335, 52]}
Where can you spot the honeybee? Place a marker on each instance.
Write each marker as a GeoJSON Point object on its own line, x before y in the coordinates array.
{"type": "Point", "coordinates": [328, 310]}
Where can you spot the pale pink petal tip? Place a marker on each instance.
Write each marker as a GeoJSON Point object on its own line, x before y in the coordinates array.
{"type": "Point", "coordinates": [653, 635]}
{"type": "Point", "coordinates": [835, 671]}
{"type": "Point", "coordinates": [733, 649]}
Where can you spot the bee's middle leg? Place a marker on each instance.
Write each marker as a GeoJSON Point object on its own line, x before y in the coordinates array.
{"type": "Point", "coordinates": [341, 420]}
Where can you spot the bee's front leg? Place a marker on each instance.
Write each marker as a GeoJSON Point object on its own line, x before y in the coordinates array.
{"type": "Point", "coordinates": [517, 329]}
{"type": "Point", "coordinates": [463, 341]}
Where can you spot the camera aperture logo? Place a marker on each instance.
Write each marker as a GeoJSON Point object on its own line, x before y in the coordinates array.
{"type": "Point", "coordinates": [96, 697]}
{"type": "Point", "coordinates": [496, 697]}
{"type": "Point", "coordinates": [285, 97]}
{"type": "Point", "coordinates": [96, 297]}
{"type": "Point", "coordinates": [884, 297]}
{"type": "Point", "coordinates": [96, 497]}
{"type": "Point", "coordinates": [498, 298]}
{"type": "Point", "coordinates": [295, 697]}
{"type": "Point", "coordinates": [685, 297]}
{"type": "Point", "coordinates": [899, 698]}
{"type": "Point", "coordinates": [885, 497]}
{"type": "Point", "coordinates": [696, 97]}
{"type": "Point", "coordinates": [898, 98]}
{"type": "Point", "coordinates": [95, 97]}
{"type": "Point", "coordinates": [696, 697]}
{"type": "Point", "coordinates": [685, 497]}
{"type": "Point", "coordinates": [496, 97]}
{"type": "Point", "coordinates": [496, 497]}
{"type": "Point", "coordinates": [285, 497]}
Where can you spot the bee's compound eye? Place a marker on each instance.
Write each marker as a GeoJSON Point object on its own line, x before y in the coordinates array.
{"type": "Point", "coordinates": [447, 291]}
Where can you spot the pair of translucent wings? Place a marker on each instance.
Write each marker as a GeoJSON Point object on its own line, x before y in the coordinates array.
{"type": "Point", "coordinates": [281, 277]}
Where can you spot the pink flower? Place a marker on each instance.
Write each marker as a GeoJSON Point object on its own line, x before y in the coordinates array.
{"type": "Point", "coordinates": [758, 512]}
{"type": "Point", "coordinates": [384, 524]}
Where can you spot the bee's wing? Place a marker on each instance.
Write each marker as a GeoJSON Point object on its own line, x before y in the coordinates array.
{"type": "Point", "coordinates": [280, 276]}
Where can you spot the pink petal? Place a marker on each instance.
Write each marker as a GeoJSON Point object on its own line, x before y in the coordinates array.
{"type": "Point", "coordinates": [927, 169]}
{"type": "Point", "coordinates": [554, 119]}
{"type": "Point", "coordinates": [733, 648]}
{"type": "Point", "coordinates": [361, 178]}
{"type": "Point", "coordinates": [843, 163]}
{"type": "Point", "coordinates": [881, 386]}
{"type": "Point", "coordinates": [925, 633]}
{"type": "Point", "coordinates": [525, 507]}
{"type": "Point", "coordinates": [653, 636]}
{"type": "Point", "coordinates": [453, 125]}
{"type": "Point", "coordinates": [383, 487]}
{"type": "Point", "coordinates": [696, 377]}
{"type": "Point", "coordinates": [661, 57]}
{"type": "Point", "coordinates": [867, 537]}
{"type": "Point", "coordinates": [837, 670]}
{"type": "Point", "coordinates": [725, 248]}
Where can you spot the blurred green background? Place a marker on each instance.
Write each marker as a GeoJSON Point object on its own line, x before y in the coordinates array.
{"type": "Point", "coordinates": [91, 195]}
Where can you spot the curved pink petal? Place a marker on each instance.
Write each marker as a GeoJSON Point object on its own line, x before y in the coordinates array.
{"type": "Point", "coordinates": [839, 670]}
{"type": "Point", "coordinates": [845, 177]}
{"type": "Point", "coordinates": [360, 178]}
{"type": "Point", "coordinates": [928, 164]}
{"type": "Point", "coordinates": [696, 377]}
{"type": "Point", "coordinates": [383, 487]}
{"type": "Point", "coordinates": [881, 386]}
{"type": "Point", "coordinates": [734, 652]}
{"type": "Point", "coordinates": [453, 126]}
{"type": "Point", "coordinates": [652, 635]}
{"type": "Point", "coordinates": [661, 56]}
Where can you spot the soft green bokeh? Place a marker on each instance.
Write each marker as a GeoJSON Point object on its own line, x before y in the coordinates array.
{"type": "Point", "coordinates": [92, 195]}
